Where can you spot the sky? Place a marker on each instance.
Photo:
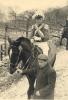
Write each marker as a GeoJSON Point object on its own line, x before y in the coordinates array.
{"type": "Point", "coordinates": [22, 5]}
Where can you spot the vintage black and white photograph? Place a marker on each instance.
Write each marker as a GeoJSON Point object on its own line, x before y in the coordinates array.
{"type": "Point", "coordinates": [33, 49]}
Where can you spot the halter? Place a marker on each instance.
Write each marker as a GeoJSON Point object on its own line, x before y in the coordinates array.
{"type": "Point", "coordinates": [17, 59]}
{"type": "Point", "coordinates": [26, 60]}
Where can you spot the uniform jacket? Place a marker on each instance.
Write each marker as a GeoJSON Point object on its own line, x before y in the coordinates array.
{"type": "Point", "coordinates": [44, 30]}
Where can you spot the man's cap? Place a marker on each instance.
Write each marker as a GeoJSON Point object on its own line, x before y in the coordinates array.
{"type": "Point", "coordinates": [38, 15]}
{"type": "Point", "coordinates": [42, 57]}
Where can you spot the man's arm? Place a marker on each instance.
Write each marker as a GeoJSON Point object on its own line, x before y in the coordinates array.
{"type": "Point", "coordinates": [38, 30]}
{"type": "Point", "coordinates": [41, 34]}
{"type": "Point", "coordinates": [51, 84]}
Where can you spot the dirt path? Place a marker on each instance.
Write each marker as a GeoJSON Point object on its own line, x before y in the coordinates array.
{"type": "Point", "coordinates": [16, 91]}
{"type": "Point", "coordinates": [61, 67]}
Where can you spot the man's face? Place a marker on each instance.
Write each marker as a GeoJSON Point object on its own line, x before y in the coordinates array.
{"type": "Point", "coordinates": [42, 63]}
{"type": "Point", "coordinates": [39, 21]}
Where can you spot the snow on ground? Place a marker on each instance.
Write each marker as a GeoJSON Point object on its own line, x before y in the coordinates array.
{"type": "Point", "coordinates": [16, 91]}
{"type": "Point", "coordinates": [61, 67]}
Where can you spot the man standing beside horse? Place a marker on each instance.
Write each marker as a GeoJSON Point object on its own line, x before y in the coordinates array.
{"type": "Point", "coordinates": [45, 80]}
{"type": "Point", "coordinates": [46, 75]}
{"type": "Point", "coordinates": [39, 29]}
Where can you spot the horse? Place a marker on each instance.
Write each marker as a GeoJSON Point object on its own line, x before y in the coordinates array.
{"type": "Point", "coordinates": [23, 50]}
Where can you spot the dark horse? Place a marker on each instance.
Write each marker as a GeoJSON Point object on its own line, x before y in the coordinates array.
{"type": "Point", "coordinates": [23, 50]}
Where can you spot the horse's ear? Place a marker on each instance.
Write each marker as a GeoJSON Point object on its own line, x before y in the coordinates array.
{"type": "Point", "coordinates": [9, 40]}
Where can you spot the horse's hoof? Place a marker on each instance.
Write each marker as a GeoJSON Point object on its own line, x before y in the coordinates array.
{"type": "Point", "coordinates": [29, 97]}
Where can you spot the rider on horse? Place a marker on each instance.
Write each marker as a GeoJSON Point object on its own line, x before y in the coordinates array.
{"type": "Point", "coordinates": [39, 29]}
{"type": "Point", "coordinates": [45, 80]}
{"type": "Point", "coordinates": [40, 32]}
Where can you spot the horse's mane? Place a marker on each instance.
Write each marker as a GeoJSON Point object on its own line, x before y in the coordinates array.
{"type": "Point", "coordinates": [24, 42]}
{"type": "Point", "coordinates": [23, 39]}
{"type": "Point", "coordinates": [20, 40]}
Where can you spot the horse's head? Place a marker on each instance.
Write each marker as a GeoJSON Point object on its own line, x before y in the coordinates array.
{"type": "Point", "coordinates": [15, 51]}
{"type": "Point", "coordinates": [21, 49]}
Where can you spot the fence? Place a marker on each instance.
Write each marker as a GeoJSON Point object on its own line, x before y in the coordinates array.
{"type": "Point", "coordinates": [3, 44]}
{"type": "Point", "coordinates": [11, 26]}
{"type": "Point", "coordinates": [2, 51]}
{"type": "Point", "coordinates": [20, 24]}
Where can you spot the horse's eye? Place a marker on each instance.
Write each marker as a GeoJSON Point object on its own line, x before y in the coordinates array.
{"type": "Point", "coordinates": [11, 46]}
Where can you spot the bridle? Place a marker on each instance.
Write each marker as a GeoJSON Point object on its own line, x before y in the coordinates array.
{"type": "Point", "coordinates": [27, 61]}
{"type": "Point", "coordinates": [17, 60]}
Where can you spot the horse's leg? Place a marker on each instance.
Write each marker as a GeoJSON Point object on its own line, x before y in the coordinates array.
{"type": "Point", "coordinates": [31, 80]}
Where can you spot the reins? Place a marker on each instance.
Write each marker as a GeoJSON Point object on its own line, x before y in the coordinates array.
{"type": "Point", "coordinates": [17, 59]}
{"type": "Point", "coordinates": [32, 63]}
{"type": "Point", "coordinates": [27, 61]}
{"type": "Point", "coordinates": [30, 57]}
